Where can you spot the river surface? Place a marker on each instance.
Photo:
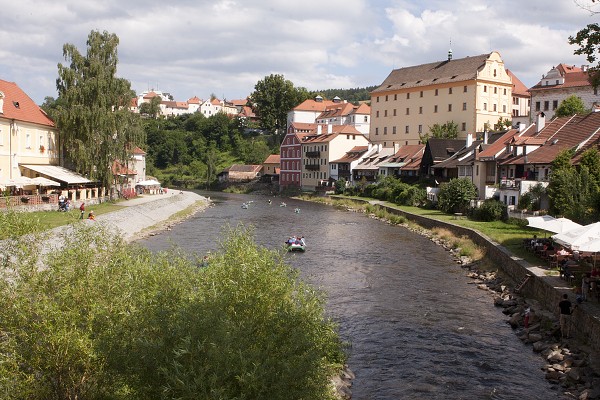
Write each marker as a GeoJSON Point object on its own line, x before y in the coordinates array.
{"type": "Point", "coordinates": [417, 327]}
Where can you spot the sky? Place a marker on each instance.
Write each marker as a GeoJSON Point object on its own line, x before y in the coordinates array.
{"type": "Point", "coordinates": [224, 47]}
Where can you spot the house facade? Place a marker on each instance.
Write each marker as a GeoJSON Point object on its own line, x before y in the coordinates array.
{"type": "Point", "coordinates": [271, 166]}
{"type": "Point", "coordinates": [318, 151]}
{"type": "Point", "coordinates": [473, 92]}
{"type": "Point", "coordinates": [559, 83]}
{"type": "Point", "coordinates": [290, 152]}
{"type": "Point", "coordinates": [521, 101]}
{"type": "Point", "coordinates": [27, 134]}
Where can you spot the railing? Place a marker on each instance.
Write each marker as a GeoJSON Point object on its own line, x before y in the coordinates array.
{"type": "Point", "coordinates": [28, 200]}
{"type": "Point", "coordinates": [510, 184]}
{"type": "Point", "coordinates": [312, 167]}
{"type": "Point", "coordinates": [313, 154]}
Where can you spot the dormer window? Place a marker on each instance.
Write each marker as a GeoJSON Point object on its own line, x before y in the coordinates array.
{"type": "Point", "coordinates": [16, 104]}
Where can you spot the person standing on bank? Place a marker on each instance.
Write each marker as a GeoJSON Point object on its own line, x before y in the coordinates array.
{"type": "Point", "coordinates": [82, 209]}
{"type": "Point", "coordinates": [566, 309]}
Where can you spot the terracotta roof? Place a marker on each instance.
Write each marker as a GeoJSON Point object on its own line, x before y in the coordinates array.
{"type": "Point", "coordinates": [120, 169]}
{"type": "Point", "coordinates": [134, 102]}
{"type": "Point", "coordinates": [244, 168]}
{"type": "Point", "coordinates": [239, 102]}
{"type": "Point", "coordinates": [336, 110]}
{"type": "Point", "coordinates": [247, 112]}
{"type": "Point", "coordinates": [312, 105]}
{"type": "Point", "coordinates": [455, 70]}
{"type": "Point", "coordinates": [20, 107]}
{"type": "Point", "coordinates": [519, 88]}
{"type": "Point", "coordinates": [272, 159]}
{"type": "Point", "coordinates": [215, 102]}
{"type": "Point", "coordinates": [375, 157]}
{"type": "Point", "coordinates": [354, 154]}
{"type": "Point", "coordinates": [362, 109]}
{"type": "Point", "coordinates": [150, 95]}
{"type": "Point", "coordinates": [137, 150]}
{"type": "Point", "coordinates": [574, 77]}
{"type": "Point", "coordinates": [195, 100]}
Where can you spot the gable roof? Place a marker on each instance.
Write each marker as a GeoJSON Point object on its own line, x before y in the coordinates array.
{"type": "Point", "coordinates": [272, 159]}
{"type": "Point", "coordinates": [519, 88]}
{"type": "Point", "coordinates": [313, 105]}
{"type": "Point", "coordinates": [244, 168]}
{"type": "Point", "coordinates": [362, 108]}
{"type": "Point", "coordinates": [446, 71]}
{"type": "Point", "coordinates": [441, 149]}
{"type": "Point", "coordinates": [352, 155]}
{"type": "Point", "coordinates": [20, 107]}
{"type": "Point", "coordinates": [336, 110]}
{"type": "Point", "coordinates": [574, 77]}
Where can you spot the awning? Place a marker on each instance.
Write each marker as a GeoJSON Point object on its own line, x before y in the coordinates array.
{"type": "Point", "coordinates": [41, 181]}
{"type": "Point", "coordinates": [18, 182]}
{"type": "Point", "coordinates": [149, 182]}
{"type": "Point", "coordinates": [58, 173]}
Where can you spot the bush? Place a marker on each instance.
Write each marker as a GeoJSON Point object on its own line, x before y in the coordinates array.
{"type": "Point", "coordinates": [491, 210]}
{"type": "Point", "coordinates": [456, 195]}
{"type": "Point", "coordinates": [109, 320]}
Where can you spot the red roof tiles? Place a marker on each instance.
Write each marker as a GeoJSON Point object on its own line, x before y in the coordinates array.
{"type": "Point", "coordinates": [20, 107]}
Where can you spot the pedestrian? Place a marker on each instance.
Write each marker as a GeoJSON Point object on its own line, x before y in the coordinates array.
{"type": "Point", "coordinates": [82, 210]}
{"type": "Point", "coordinates": [585, 285]}
{"type": "Point", "coordinates": [566, 309]}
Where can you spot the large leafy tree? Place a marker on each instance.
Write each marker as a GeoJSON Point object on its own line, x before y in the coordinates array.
{"type": "Point", "coordinates": [96, 125]}
{"type": "Point", "coordinates": [570, 106]}
{"type": "Point", "coordinates": [449, 130]}
{"type": "Point", "coordinates": [273, 97]}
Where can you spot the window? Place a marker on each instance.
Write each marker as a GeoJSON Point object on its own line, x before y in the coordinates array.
{"type": "Point", "coordinates": [407, 111]}
{"type": "Point", "coordinates": [554, 104]}
{"type": "Point", "coordinates": [28, 141]}
{"type": "Point", "coordinates": [378, 99]}
{"type": "Point", "coordinates": [385, 130]}
{"type": "Point", "coordinates": [495, 90]}
{"type": "Point", "coordinates": [394, 130]}
{"type": "Point", "coordinates": [485, 106]}
{"type": "Point", "coordinates": [386, 97]}
{"type": "Point", "coordinates": [407, 96]}
{"type": "Point", "coordinates": [546, 105]}
{"type": "Point", "coordinates": [494, 71]}
{"type": "Point", "coordinates": [464, 126]}
{"type": "Point", "coordinates": [366, 119]}
{"type": "Point", "coordinates": [435, 108]}
{"type": "Point", "coordinates": [420, 110]}
{"type": "Point", "coordinates": [406, 129]}
{"type": "Point", "coordinates": [464, 89]}
{"type": "Point", "coordinates": [385, 113]}
{"type": "Point", "coordinates": [377, 114]}
{"type": "Point", "coordinates": [377, 131]}
{"type": "Point", "coordinates": [484, 88]}
{"type": "Point", "coordinates": [449, 90]}
{"type": "Point", "coordinates": [449, 107]}
{"type": "Point", "coordinates": [464, 106]}
{"type": "Point", "coordinates": [421, 94]}
{"type": "Point", "coordinates": [420, 128]}
{"type": "Point", "coordinates": [505, 91]}
{"type": "Point", "coordinates": [394, 112]}
{"type": "Point", "coordinates": [396, 97]}
{"type": "Point", "coordinates": [504, 108]}
{"type": "Point", "coordinates": [436, 92]}
{"type": "Point", "coordinates": [495, 106]}
{"type": "Point", "coordinates": [537, 106]}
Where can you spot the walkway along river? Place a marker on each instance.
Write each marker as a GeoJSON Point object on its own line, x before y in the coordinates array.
{"type": "Point", "coordinates": [417, 329]}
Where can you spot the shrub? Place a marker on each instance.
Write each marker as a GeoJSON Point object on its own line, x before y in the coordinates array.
{"type": "Point", "coordinates": [491, 210]}
{"type": "Point", "coordinates": [456, 195]}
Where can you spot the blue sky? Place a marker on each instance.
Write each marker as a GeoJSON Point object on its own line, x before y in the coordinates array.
{"type": "Point", "coordinates": [223, 47]}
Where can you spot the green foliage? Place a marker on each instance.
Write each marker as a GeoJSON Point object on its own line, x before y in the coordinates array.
{"type": "Point", "coordinates": [531, 200]}
{"type": "Point", "coordinates": [273, 97]}
{"type": "Point", "coordinates": [491, 210]}
{"type": "Point", "coordinates": [354, 95]}
{"type": "Point", "coordinates": [93, 115]}
{"type": "Point", "coordinates": [449, 130]}
{"type": "Point", "coordinates": [570, 106]}
{"type": "Point", "coordinates": [588, 40]}
{"type": "Point", "coordinates": [456, 195]}
{"type": "Point", "coordinates": [340, 186]}
{"type": "Point", "coordinates": [107, 320]}
{"type": "Point", "coordinates": [395, 191]}
{"type": "Point", "coordinates": [502, 124]}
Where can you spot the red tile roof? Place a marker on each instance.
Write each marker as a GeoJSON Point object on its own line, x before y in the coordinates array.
{"type": "Point", "coordinates": [574, 77]}
{"type": "Point", "coordinates": [195, 100]}
{"type": "Point", "coordinates": [313, 105]}
{"type": "Point", "coordinates": [519, 88]}
{"type": "Point", "coordinates": [336, 110]}
{"type": "Point", "coordinates": [363, 108]}
{"type": "Point", "coordinates": [20, 107]}
{"type": "Point", "coordinates": [272, 159]}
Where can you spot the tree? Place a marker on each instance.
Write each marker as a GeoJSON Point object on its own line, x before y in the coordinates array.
{"type": "Point", "coordinates": [449, 130]}
{"type": "Point", "coordinates": [152, 108]}
{"type": "Point", "coordinates": [456, 195]}
{"type": "Point", "coordinates": [570, 106]}
{"type": "Point", "coordinates": [502, 124]}
{"type": "Point", "coordinates": [94, 118]}
{"type": "Point", "coordinates": [272, 99]}
{"type": "Point", "coordinates": [588, 40]}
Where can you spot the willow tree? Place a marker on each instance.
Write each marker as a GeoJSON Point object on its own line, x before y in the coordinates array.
{"type": "Point", "coordinates": [93, 117]}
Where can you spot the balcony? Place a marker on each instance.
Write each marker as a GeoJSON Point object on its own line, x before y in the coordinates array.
{"type": "Point", "coordinates": [312, 167]}
{"type": "Point", "coordinates": [313, 154]}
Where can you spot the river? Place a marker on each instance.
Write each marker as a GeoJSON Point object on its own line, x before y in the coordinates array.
{"type": "Point", "coordinates": [417, 328]}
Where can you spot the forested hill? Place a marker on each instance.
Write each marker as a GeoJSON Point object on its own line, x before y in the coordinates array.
{"type": "Point", "coordinates": [352, 95]}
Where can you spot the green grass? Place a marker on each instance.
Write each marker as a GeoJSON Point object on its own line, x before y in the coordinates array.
{"type": "Point", "coordinates": [52, 219]}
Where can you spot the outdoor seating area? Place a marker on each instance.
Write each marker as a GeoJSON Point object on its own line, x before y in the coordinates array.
{"type": "Point", "coordinates": [573, 250]}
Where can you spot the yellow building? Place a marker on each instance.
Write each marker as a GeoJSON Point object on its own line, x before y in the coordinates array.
{"type": "Point", "coordinates": [473, 92]}
{"type": "Point", "coordinates": [27, 134]}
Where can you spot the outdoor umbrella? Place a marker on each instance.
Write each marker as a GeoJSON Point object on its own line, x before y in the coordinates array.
{"type": "Point", "coordinates": [560, 225]}
{"type": "Point", "coordinates": [576, 237]}
{"type": "Point", "coordinates": [540, 221]}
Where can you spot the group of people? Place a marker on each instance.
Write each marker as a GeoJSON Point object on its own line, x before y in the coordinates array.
{"type": "Point", "coordinates": [299, 240]}
{"type": "Point", "coordinates": [64, 204]}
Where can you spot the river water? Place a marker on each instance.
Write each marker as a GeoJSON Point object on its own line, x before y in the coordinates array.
{"type": "Point", "coordinates": [417, 328]}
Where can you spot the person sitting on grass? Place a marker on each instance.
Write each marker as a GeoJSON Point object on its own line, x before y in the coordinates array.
{"type": "Point", "coordinates": [91, 215]}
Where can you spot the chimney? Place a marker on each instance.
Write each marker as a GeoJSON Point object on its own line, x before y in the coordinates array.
{"type": "Point", "coordinates": [449, 54]}
{"type": "Point", "coordinates": [319, 129]}
{"type": "Point", "coordinates": [486, 136]}
{"type": "Point", "coordinates": [329, 128]}
{"type": "Point", "coordinates": [379, 147]}
{"type": "Point", "coordinates": [522, 126]}
{"type": "Point", "coordinates": [469, 139]}
{"type": "Point", "coordinates": [540, 122]}
{"type": "Point", "coordinates": [396, 147]}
